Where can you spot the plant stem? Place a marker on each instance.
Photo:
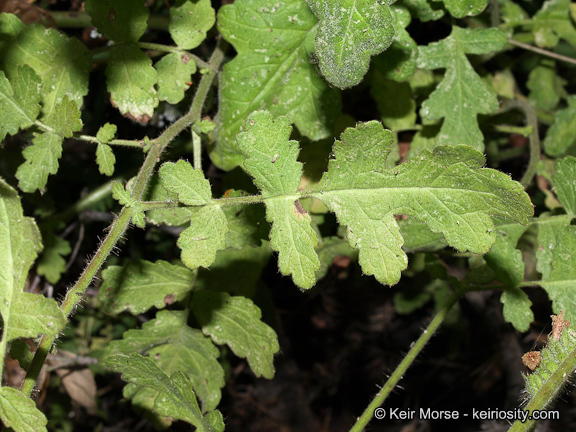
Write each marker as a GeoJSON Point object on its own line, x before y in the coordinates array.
{"type": "Point", "coordinates": [120, 224]}
{"type": "Point", "coordinates": [381, 396]}
{"type": "Point", "coordinates": [118, 142]}
{"type": "Point", "coordinates": [520, 130]}
{"type": "Point", "coordinates": [542, 51]}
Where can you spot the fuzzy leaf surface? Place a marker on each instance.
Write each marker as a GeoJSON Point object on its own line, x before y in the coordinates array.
{"type": "Point", "coordinates": [189, 22]}
{"type": "Point", "coordinates": [516, 308]}
{"type": "Point", "coordinates": [65, 118]}
{"type": "Point", "coordinates": [41, 161]}
{"type": "Point", "coordinates": [424, 10]}
{"type": "Point", "coordinates": [189, 184]}
{"type": "Point", "coordinates": [175, 346]}
{"type": "Point", "coordinates": [19, 412]}
{"type": "Point", "coordinates": [463, 8]}
{"type": "Point", "coordinates": [565, 183]}
{"type": "Point", "coordinates": [105, 159]}
{"type": "Point", "coordinates": [21, 99]}
{"type": "Point", "coordinates": [175, 395]}
{"type": "Point", "coordinates": [122, 22]}
{"type": "Point", "coordinates": [271, 158]}
{"type": "Point", "coordinates": [236, 322]}
{"type": "Point", "coordinates": [140, 285]}
{"type": "Point", "coordinates": [174, 72]}
{"type": "Point", "coordinates": [560, 137]}
{"type": "Point", "coordinates": [504, 258]}
{"type": "Point", "coordinates": [272, 70]}
{"type": "Point", "coordinates": [23, 314]}
{"type": "Point", "coordinates": [462, 94]}
{"type": "Point", "coordinates": [66, 74]}
{"type": "Point", "coordinates": [447, 189]}
{"type": "Point", "coordinates": [131, 79]}
{"type": "Point", "coordinates": [552, 23]}
{"type": "Point", "coordinates": [349, 33]}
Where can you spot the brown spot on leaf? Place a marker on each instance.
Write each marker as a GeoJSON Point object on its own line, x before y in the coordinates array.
{"type": "Point", "coordinates": [169, 299]}
{"type": "Point", "coordinates": [532, 359]}
{"type": "Point", "coordinates": [299, 210]}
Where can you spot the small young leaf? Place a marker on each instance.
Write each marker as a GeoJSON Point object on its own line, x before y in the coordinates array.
{"type": "Point", "coordinates": [190, 184]}
{"type": "Point", "coordinates": [565, 182]}
{"type": "Point", "coordinates": [122, 22]}
{"type": "Point", "coordinates": [174, 73]}
{"type": "Point", "coordinates": [138, 218]}
{"type": "Point", "coordinates": [462, 94]}
{"type": "Point", "coordinates": [189, 22]}
{"type": "Point", "coordinates": [461, 9]}
{"type": "Point", "coordinates": [272, 159]}
{"type": "Point", "coordinates": [235, 321]}
{"type": "Point", "coordinates": [105, 159]}
{"type": "Point", "coordinates": [349, 33]}
{"type": "Point", "coordinates": [276, 40]}
{"type": "Point", "coordinates": [66, 72]}
{"type": "Point", "coordinates": [174, 346]}
{"type": "Point", "coordinates": [167, 216]}
{"type": "Point", "coordinates": [120, 194]}
{"type": "Point", "coordinates": [19, 412]}
{"type": "Point", "coordinates": [21, 99]}
{"type": "Point", "coordinates": [41, 161]}
{"type": "Point", "coordinates": [131, 79]}
{"type": "Point", "coordinates": [51, 264]}
{"type": "Point", "coordinates": [560, 137]}
{"type": "Point", "coordinates": [106, 133]}
{"type": "Point", "coordinates": [175, 398]}
{"type": "Point", "coordinates": [424, 10]}
{"type": "Point", "coordinates": [546, 86]}
{"type": "Point", "coordinates": [552, 23]}
{"type": "Point", "coordinates": [517, 308]}
{"type": "Point", "coordinates": [65, 118]}
{"type": "Point", "coordinates": [140, 285]}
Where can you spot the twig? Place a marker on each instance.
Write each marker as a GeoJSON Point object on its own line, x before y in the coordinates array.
{"type": "Point", "coordinates": [542, 51]}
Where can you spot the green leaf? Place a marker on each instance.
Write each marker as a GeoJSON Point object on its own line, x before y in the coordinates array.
{"type": "Point", "coordinates": [462, 94]}
{"type": "Point", "coordinates": [138, 286]}
{"type": "Point", "coordinates": [189, 184]}
{"type": "Point", "coordinates": [276, 40]}
{"type": "Point", "coordinates": [504, 258]}
{"type": "Point", "coordinates": [463, 8]}
{"type": "Point", "coordinates": [122, 22]}
{"type": "Point", "coordinates": [174, 346]}
{"type": "Point", "coordinates": [19, 412]}
{"type": "Point", "coordinates": [517, 308]}
{"type": "Point", "coordinates": [62, 63]}
{"type": "Point", "coordinates": [65, 118]}
{"type": "Point", "coordinates": [189, 22]}
{"type": "Point", "coordinates": [448, 189]}
{"type": "Point", "coordinates": [21, 99]}
{"type": "Point", "coordinates": [272, 159]}
{"type": "Point", "coordinates": [106, 133]}
{"type": "Point", "coordinates": [105, 159]}
{"type": "Point", "coordinates": [120, 194]}
{"type": "Point", "coordinates": [175, 398]}
{"type": "Point", "coordinates": [23, 314]}
{"type": "Point", "coordinates": [395, 102]}
{"type": "Point", "coordinates": [41, 161]}
{"type": "Point", "coordinates": [546, 86]}
{"type": "Point", "coordinates": [349, 33]}
{"type": "Point", "coordinates": [168, 216]}
{"type": "Point", "coordinates": [204, 237]}
{"type": "Point", "coordinates": [556, 261]}
{"type": "Point", "coordinates": [174, 74]}
{"type": "Point", "coordinates": [235, 321]}
{"type": "Point", "coordinates": [399, 61]}
{"type": "Point", "coordinates": [246, 223]}
{"type": "Point", "coordinates": [424, 10]}
{"type": "Point", "coordinates": [565, 183]}
{"type": "Point", "coordinates": [552, 23]}
{"type": "Point", "coordinates": [418, 237]}
{"type": "Point", "coordinates": [131, 79]}
{"type": "Point", "coordinates": [560, 137]}
{"type": "Point", "coordinates": [51, 264]}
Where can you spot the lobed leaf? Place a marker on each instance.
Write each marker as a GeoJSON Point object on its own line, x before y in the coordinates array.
{"type": "Point", "coordinates": [122, 22]}
{"type": "Point", "coordinates": [130, 80]}
{"type": "Point", "coordinates": [174, 74]}
{"type": "Point", "coordinates": [106, 133]}
{"type": "Point", "coordinates": [19, 412]}
{"type": "Point", "coordinates": [189, 22]}
{"type": "Point", "coordinates": [463, 8]}
{"type": "Point", "coordinates": [516, 308]}
{"type": "Point", "coordinates": [272, 70]}
{"type": "Point", "coordinates": [236, 322]}
{"type": "Point", "coordinates": [462, 94]}
{"type": "Point", "coordinates": [21, 99]}
{"type": "Point", "coordinates": [105, 159]}
{"type": "Point", "coordinates": [272, 160]}
{"type": "Point", "coordinates": [560, 137]}
{"type": "Point", "coordinates": [175, 399]}
{"type": "Point", "coordinates": [41, 161]}
{"type": "Point", "coordinates": [174, 346]}
{"type": "Point", "coordinates": [189, 184]}
{"type": "Point", "coordinates": [565, 183]}
{"type": "Point", "coordinates": [66, 72]}
{"type": "Point", "coordinates": [349, 33]}
{"type": "Point", "coordinates": [65, 118]}
{"type": "Point", "coordinates": [546, 87]}
{"type": "Point", "coordinates": [51, 264]}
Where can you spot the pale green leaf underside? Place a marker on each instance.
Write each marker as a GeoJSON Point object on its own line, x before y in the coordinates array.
{"type": "Point", "coordinates": [105, 159]}
{"type": "Point", "coordinates": [41, 161]}
{"type": "Point", "coordinates": [461, 95]}
{"type": "Point", "coordinates": [561, 135]}
{"type": "Point", "coordinates": [236, 321]}
{"type": "Point", "coordinates": [189, 184]}
{"type": "Point", "coordinates": [123, 21]}
{"type": "Point", "coordinates": [189, 22]}
{"type": "Point", "coordinates": [174, 74]}
{"type": "Point", "coordinates": [272, 70]}
{"type": "Point", "coordinates": [463, 8]}
{"type": "Point", "coordinates": [64, 118]}
{"type": "Point", "coordinates": [516, 308]}
{"type": "Point", "coordinates": [174, 346]}
{"type": "Point", "coordinates": [19, 412]}
{"type": "Point", "coordinates": [140, 285]}
{"type": "Point", "coordinates": [175, 398]}
{"type": "Point", "coordinates": [106, 133]}
{"type": "Point", "coordinates": [131, 79]}
{"type": "Point", "coordinates": [565, 183]}
{"type": "Point", "coordinates": [350, 32]}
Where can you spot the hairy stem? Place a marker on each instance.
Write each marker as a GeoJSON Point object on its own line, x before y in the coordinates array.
{"type": "Point", "coordinates": [405, 363]}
